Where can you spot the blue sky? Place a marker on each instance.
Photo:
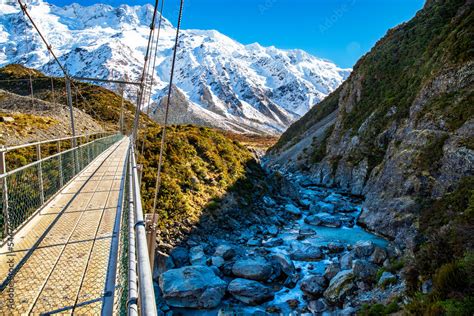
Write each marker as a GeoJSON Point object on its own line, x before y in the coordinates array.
{"type": "Point", "coordinates": [338, 30]}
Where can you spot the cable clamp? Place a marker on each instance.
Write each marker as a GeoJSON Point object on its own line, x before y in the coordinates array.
{"type": "Point", "coordinates": [139, 223]}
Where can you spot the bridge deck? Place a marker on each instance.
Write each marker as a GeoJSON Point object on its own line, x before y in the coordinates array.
{"type": "Point", "coordinates": [67, 244]}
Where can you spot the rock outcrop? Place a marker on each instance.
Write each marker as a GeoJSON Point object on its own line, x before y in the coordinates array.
{"type": "Point", "coordinates": [399, 131]}
{"type": "Point", "coordinates": [192, 287]}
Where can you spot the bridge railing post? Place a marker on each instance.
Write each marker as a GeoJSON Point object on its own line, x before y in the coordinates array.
{"type": "Point", "coordinates": [88, 149]}
{"type": "Point", "coordinates": [60, 158]}
{"type": "Point", "coordinates": [3, 170]}
{"type": "Point", "coordinates": [40, 173]}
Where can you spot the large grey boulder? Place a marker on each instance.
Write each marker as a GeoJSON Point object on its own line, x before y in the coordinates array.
{"type": "Point", "coordinates": [318, 306]}
{"type": "Point", "coordinates": [292, 209]}
{"type": "Point", "coordinates": [331, 270]}
{"type": "Point", "coordinates": [180, 256]}
{"type": "Point", "coordinates": [378, 256]}
{"type": "Point", "coordinates": [192, 287]}
{"type": "Point", "coordinates": [249, 292]}
{"type": "Point", "coordinates": [163, 263]}
{"type": "Point", "coordinates": [363, 249]}
{"type": "Point", "coordinates": [284, 262]}
{"type": "Point", "coordinates": [340, 287]}
{"type": "Point", "coordinates": [197, 256]}
{"type": "Point", "coordinates": [305, 252]}
{"type": "Point", "coordinates": [322, 207]}
{"type": "Point", "coordinates": [335, 247]}
{"type": "Point", "coordinates": [323, 219]}
{"type": "Point", "coordinates": [346, 261]}
{"type": "Point", "coordinates": [364, 270]}
{"type": "Point", "coordinates": [272, 242]}
{"type": "Point", "coordinates": [253, 269]}
{"type": "Point", "coordinates": [225, 251]}
{"type": "Point", "coordinates": [314, 285]}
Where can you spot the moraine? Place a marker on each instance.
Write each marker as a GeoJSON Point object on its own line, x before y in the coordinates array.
{"type": "Point", "coordinates": [308, 256]}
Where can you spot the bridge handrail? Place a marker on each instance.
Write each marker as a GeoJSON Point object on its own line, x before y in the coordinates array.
{"type": "Point", "coordinates": [5, 174]}
{"type": "Point", "coordinates": [24, 190]}
{"type": "Point", "coordinates": [46, 141]}
{"type": "Point", "coordinates": [145, 277]}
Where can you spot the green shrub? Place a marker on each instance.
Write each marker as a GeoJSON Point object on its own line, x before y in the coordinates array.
{"type": "Point", "coordinates": [379, 309]}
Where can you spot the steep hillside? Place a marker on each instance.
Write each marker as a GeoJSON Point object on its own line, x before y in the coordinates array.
{"type": "Point", "coordinates": [202, 166]}
{"type": "Point", "coordinates": [100, 103]}
{"type": "Point", "coordinates": [25, 120]}
{"type": "Point", "coordinates": [400, 130]}
{"type": "Point", "coordinates": [225, 84]}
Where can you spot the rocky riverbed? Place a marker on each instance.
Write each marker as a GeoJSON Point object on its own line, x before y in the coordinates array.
{"type": "Point", "coordinates": [301, 252]}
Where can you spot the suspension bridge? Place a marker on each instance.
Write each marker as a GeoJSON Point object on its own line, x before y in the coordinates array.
{"type": "Point", "coordinates": [73, 234]}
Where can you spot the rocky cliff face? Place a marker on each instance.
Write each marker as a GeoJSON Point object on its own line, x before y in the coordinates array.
{"type": "Point", "coordinates": [400, 130]}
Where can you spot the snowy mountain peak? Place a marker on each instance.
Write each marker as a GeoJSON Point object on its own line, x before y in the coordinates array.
{"type": "Point", "coordinates": [219, 81]}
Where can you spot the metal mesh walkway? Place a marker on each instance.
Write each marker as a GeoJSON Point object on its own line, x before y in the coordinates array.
{"type": "Point", "coordinates": [65, 271]}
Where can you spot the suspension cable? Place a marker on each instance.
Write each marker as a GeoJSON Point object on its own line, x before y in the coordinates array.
{"type": "Point", "coordinates": [48, 46]}
{"type": "Point", "coordinates": [153, 70]}
{"type": "Point", "coordinates": [66, 75]}
{"type": "Point", "coordinates": [143, 76]}
{"type": "Point", "coordinates": [163, 136]}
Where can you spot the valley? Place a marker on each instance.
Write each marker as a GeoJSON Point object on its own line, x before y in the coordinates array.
{"type": "Point", "coordinates": [288, 185]}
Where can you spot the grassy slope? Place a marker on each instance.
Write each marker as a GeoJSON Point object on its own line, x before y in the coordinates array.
{"type": "Point", "coordinates": [200, 168]}
{"type": "Point", "coordinates": [100, 103]}
{"type": "Point", "coordinates": [200, 164]}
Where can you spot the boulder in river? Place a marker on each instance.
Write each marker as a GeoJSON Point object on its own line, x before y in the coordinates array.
{"type": "Point", "coordinates": [225, 251]}
{"type": "Point", "coordinates": [322, 207]}
{"type": "Point", "coordinates": [314, 285]}
{"type": "Point", "coordinates": [306, 252]}
{"type": "Point", "coordinates": [254, 242]}
{"type": "Point", "coordinates": [340, 287]}
{"type": "Point", "coordinates": [364, 248]}
{"type": "Point", "coordinates": [323, 219]}
{"type": "Point", "coordinates": [272, 230]}
{"type": "Point", "coordinates": [253, 269]}
{"type": "Point", "coordinates": [306, 232]}
{"type": "Point", "coordinates": [249, 292]}
{"type": "Point", "coordinates": [318, 306]}
{"type": "Point", "coordinates": [285, 263]}
{"type": "Point", "coordinates": [217, 261]}
{"type": "Point", "coordinates": [331, 270]}
{"type": "Point", "coordinates": [346, 261]}
{"type": "Point", "coordinates": [292, 209]}
{"type": "Point", "coordinates": [272, 242]}
{"type": "Point", "coordinates": [192, 287]}
{"type": "Point", "coordinates": [347, 220]}
{"type": "Point", "coordinates": [335, 247]}
{"type": "Point", "coordinates": [197, 256]}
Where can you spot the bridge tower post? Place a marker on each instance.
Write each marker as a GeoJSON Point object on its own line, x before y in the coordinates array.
{"type": "Point", "coordinates": [71, 110]}
{"type": "Point", "coordinates": [40, 173]}
{"type": "Point", "coordinates": [3, 170]}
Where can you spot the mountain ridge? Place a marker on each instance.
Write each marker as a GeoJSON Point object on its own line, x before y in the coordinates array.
{"type": "Point", "coordinates": [248, 88]}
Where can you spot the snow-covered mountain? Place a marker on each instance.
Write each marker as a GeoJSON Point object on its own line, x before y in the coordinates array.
{"type": "Point", "coordinates": [219, 82]}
